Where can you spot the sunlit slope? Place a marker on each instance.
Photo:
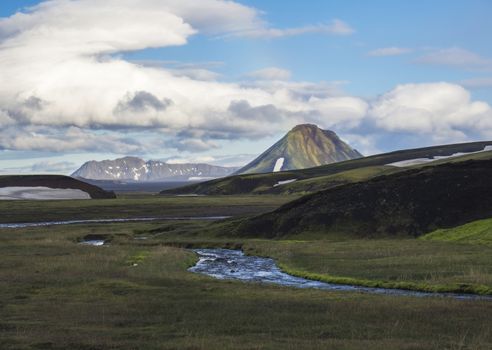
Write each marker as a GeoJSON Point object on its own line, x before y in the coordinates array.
{"type": "Point", "coordinates": [305, 146]}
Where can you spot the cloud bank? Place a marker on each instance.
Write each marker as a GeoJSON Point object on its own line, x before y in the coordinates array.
{"type": "Point", "coordinates": [68, 90]}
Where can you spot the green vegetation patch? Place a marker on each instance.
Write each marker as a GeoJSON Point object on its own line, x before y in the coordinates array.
{"type": "Point", "coordinates": [387, 263]}
{"type": "Point", "coordinates": [478, 232]}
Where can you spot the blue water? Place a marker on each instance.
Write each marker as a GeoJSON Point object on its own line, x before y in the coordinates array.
{"type": "Point", "coordinates": [235, 265]}
{"type": "Point", "coordinates": [103, 221]}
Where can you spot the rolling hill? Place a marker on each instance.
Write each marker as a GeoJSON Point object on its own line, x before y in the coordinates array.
{"type": "Point", "coordinates": [46, 186]}
{"type": "Point", "coordinates": [411, 202]}
{"type": "Point", "coordinates": [332, 175]}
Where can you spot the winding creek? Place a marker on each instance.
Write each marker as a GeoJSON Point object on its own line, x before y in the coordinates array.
{"type": "Point", "coordinates": [107, 221]}
{"type": "Point", "coordinates": [235, 265]}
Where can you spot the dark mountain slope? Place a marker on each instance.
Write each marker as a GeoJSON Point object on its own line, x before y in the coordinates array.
{"type": "Point", "coordinates": [54, 181]}
{"type": "Point", "coordinates": [411, 202]}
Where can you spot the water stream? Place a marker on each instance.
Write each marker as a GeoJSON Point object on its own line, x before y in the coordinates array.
{"type": "Point", "coordinates": [105, 221]}
{"type": "Point", "coordinates": [235, 265]}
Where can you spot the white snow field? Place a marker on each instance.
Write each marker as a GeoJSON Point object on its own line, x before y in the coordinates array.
{"type": "Point", "coordinates": [278, 164]}
{"type": "Point", "coordinates": [41, 193]}
{"type": "Point", "coordinates": [416, 161]}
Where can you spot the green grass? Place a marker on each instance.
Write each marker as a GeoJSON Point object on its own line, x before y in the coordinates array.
{"type": "Point", "coordinates": [56, 294]}
{"type": "Point", "coordinates": [389, 263]}
{"type": "Point", "coordinates": [320, 183]}
{"type": "Point", "coordinates": [477, 232]}
{"type": "Point", "coordinates": [137, 206]}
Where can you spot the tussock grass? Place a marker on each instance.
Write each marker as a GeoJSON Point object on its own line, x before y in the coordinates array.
{"type": "Point", "coordinates": [138, 206]}
{"type": "Point", "coordinates": [388, 263]}
{"type": "Point", "coordinates": [57, 294]}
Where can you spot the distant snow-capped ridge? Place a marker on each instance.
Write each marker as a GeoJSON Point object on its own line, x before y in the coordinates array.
{"type": "Point", "coordinates": [137, 169]}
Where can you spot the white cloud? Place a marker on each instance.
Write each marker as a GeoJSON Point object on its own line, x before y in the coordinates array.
{"type": "Point", "coordinates": [389, 51]}
{"type": "Point", "coordinates": [66, 140]}
{"type": "Point", "coordinates": [235, 160]}
{"type": "Point", "coordinates": [77, 80]}
{"type": "Point", "coordinates": [335, 27]}
{"type": "Point", "coordinates": [442, 111]}
{"type": "Point", "coordinates": [53, 167]}
{"type": "Point", "coordinates": [456, 57]}
{"type": "Point", "coordinates": [270, 73]}
{"type": "Point", "coordinates": [78, 95]}
{"type": "Point", "coordinates": [365, 144]}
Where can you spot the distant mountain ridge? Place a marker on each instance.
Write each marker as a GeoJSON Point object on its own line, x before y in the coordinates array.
{"type": "Point", "coordinates": [305, 146]}
{"type": "Point", "coordinates": [139, 170]}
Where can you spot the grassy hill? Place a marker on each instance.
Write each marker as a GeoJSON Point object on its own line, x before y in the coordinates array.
{"type": "Point", "coordinates": [476, 232]}
{"type": "Point", "coordinates": [331, 175]}
{"type": "Point", "coordinates": [411, 202]}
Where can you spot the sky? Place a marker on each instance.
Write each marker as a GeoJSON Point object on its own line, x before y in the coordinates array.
{"type": "Point", "coordinates": [220, 81]}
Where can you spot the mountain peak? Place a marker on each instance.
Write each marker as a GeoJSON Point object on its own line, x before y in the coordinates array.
{"type": "Point", "coordinates": [302, 127]}
{"type": "Point", "coordinates": [304, 146]}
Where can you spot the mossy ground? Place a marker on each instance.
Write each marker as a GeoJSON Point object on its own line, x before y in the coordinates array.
{"type": "Point", "coordinates": [137, 293]}
{"type": "Point", "coordinates": [477, 232]}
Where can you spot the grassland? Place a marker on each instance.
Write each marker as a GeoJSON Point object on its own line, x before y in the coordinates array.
{"type": "Point", "coordinates": [476, 232]}
{"type": "Point", "coordinates": [137, 294]}
{"type": "Point", "coordinates": [138, 205]}
{"type": "Point", "coordinates": [56, 294]}
{"type": "Point", "coordinates": [389, 263]}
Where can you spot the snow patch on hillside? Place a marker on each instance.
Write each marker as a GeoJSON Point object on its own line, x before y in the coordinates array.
{"type": "Point", "coordinates": [416, 161]}
{"type": "Point", "coordinates": [284, 182]}
{"type": "Point", "coordinates": [279, 164]}
{"type": "Point", "coordinates": [41, 193]}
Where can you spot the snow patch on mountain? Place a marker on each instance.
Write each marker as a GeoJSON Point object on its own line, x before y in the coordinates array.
{"type": "Point", "coordinates": [278, 164]}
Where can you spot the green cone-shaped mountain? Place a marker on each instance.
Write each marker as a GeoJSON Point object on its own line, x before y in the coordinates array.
{"type": "Point", "coordinates": [305, 146]}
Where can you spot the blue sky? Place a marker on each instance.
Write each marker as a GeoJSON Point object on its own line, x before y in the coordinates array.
{"type": "Point", "coordinates": [391, 43]}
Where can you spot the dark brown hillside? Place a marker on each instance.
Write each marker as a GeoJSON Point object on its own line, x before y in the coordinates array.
{"type": "Point", "coordinates": [412, 202]}
{"type": "Point", "coordinates": [54, 181]}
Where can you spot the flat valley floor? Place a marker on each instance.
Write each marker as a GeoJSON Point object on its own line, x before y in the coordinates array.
{"type": "Point", "coordinates": [136, 293]}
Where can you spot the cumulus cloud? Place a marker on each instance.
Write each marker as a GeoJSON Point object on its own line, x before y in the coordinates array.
{"type": "Point", "coordinates": [66, 140]}
{"type": "Point", "coordinates": [389, 51]}
{"type": "Point", "coordinates": [77, 81]}
{"type": "Point", "coordinates": [442, 111]}
{"type": "Point", "coordinates": [192, 145]}
{"type": "Point", "coordinates": [69, 90]}
{"type": "Point", "coordinates": [141, 101]}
